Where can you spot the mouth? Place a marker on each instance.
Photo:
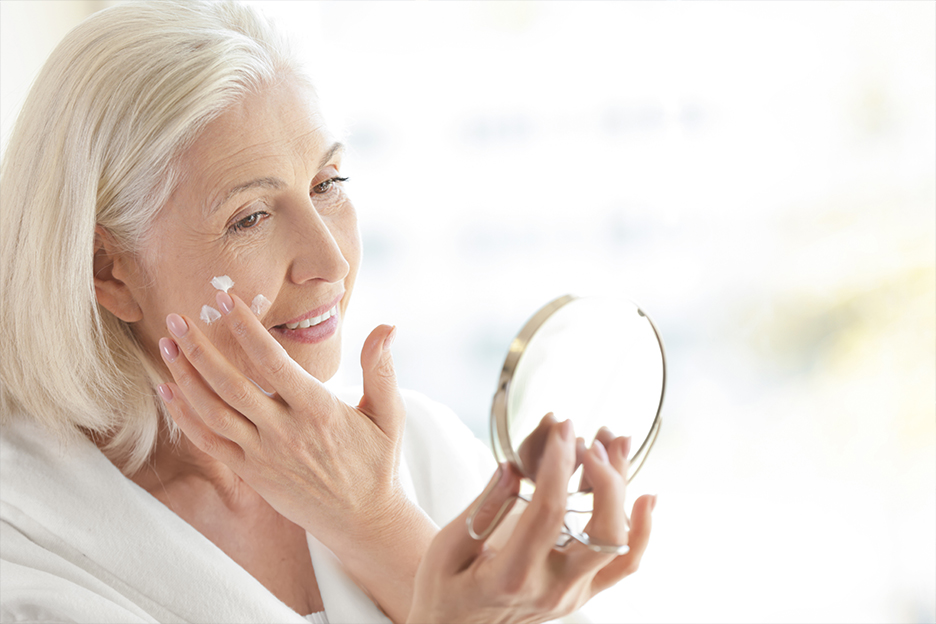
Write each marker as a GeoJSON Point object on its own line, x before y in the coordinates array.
{"type": "Point", "coordinates": [313, 326]}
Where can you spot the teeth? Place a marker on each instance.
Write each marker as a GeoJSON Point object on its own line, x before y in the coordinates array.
{"type": "Point", "coordinates": [315, 320]}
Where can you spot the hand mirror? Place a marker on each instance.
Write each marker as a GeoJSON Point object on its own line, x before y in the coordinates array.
{"type": "Point", "coordinates": [597, 361]}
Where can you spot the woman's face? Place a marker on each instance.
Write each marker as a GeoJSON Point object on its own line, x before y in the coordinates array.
{"type": "Point", "coordinates": [259, 201]}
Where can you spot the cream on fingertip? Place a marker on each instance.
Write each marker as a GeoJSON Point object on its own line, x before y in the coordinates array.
{"type": "Point", "coordinates": [209, 314]}
{"type": "Point", "coordinates": [222, 282]}
{"type": "Point", "coordinates": [260, 305]}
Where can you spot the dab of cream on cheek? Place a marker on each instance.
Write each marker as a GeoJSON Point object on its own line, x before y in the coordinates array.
{"type": "Point", "coordinates": [260, 305]}
{"type": "Point", "coordinates": [209, 315]}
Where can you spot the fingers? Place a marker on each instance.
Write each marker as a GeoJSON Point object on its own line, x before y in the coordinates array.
{"type": "Point", "coordinates": [619, 452]}
{"type": "Point", "coordinates": [196, 431]}
{"type": "Point", "coordinates": [540, 524]}
{"type": "Point", "coordinates": [382, 401]}
{"type": "Point", "coordinates": [532, 447]}
{"type": "Point", "coordinates": [287, 378]}
{"type": "Point", "coordinates": [454, 540]}
{"type": "Point", "coordinates": [608, 524]}
{"type": "Point", "coordinates": [213, 388]}
{"type": "Point", "coordinates": [638, 539]}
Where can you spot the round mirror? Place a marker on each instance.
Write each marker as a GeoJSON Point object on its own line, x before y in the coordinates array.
{"type": "Point", "coordinates": [597, 361]}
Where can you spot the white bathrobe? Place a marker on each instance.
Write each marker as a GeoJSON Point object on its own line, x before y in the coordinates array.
{"type": "Point", "coordinates": [79, 542]}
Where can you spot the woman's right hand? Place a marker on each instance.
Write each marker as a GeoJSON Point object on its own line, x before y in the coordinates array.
{"type": "Point", "coordinates": [331, 468]}
{"type": "Point", "coordinates": [462, 580]}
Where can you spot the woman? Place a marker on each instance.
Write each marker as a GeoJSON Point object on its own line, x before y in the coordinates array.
{"type": "Point", "coordinates": [178, 253]}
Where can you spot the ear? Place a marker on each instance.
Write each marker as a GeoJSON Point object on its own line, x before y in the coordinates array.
{"type": "Point", "coordinates": [113, 270]}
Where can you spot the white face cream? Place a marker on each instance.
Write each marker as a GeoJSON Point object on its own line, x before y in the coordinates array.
{"type": "Point", "coordinates": [260, 305]}
{"type": "Point", "coordinates": [209, 314]}
{"type": "Point", "coordinates": [222, 282]}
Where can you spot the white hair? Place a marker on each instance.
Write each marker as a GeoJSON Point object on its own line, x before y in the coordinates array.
{"type": "Point", "coordinates": [96, 144]}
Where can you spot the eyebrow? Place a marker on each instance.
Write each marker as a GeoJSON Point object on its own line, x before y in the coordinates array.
{"type": "Point", "coordinates": [271, 183]}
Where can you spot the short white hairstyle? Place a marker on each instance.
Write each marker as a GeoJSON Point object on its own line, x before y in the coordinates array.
{"type": "Point", "coordinates": [96, 144]}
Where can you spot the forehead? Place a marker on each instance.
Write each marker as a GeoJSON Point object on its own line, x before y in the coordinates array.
{"type": "Point", "coordinates": [278, 127]}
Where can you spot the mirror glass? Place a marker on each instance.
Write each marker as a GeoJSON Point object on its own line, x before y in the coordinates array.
{"type": "Point", "coordinates": [598, 361]}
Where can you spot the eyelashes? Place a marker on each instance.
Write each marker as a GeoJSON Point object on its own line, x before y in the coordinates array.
{"type": "Point", "coordinates": [325, 197]}
{"type": "Point", "coordinates": [327, 185]}
{"type": "Point", "coordinates": [248, 222]}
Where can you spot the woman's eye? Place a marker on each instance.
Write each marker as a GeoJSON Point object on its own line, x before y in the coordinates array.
{"type": "Point", "coordinates": [324, 187]}
{"type": "Point", "coordinates": [249, 221]}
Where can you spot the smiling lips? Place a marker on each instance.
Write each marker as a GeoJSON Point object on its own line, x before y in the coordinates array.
{"type": "Point", "coordinates": [316, 326]}
{"type": "Point", "coordinates": [315, 320]}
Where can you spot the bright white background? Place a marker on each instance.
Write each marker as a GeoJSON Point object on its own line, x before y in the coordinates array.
{"type": "Point", "coordinates": [760, 177]}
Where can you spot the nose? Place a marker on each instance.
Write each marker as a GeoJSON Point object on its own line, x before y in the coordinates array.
{"type": "Point", "coordinates": [317, 253]}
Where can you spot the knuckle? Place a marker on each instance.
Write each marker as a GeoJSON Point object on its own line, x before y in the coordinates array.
{"type": "Point", "coordinates": [238, 327]}
{"type": "Point", "coordinates": [238, 391]}
{"type": "Point", "coordinates": [551, 510]}
{"type": "Point", "coordinates": [216, 418]}
{"type": "Point", "coordinates": [186, 378]}
{"type": "Point", "coordinates": [274, 364]}
{"type": "Point", "coordinates": [195, 352]}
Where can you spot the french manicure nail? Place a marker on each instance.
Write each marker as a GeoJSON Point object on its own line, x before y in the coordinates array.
{"type": "Point", "coordinates": [165, 392]}
{"type": "Point", "coordinates": [176, 325]}
{"type": "Point", "coordinates": [224, 301]}
{"type": "Point", "coordinates": [389, 339]}
{"type": "Point", "coordinates": [169, 349]}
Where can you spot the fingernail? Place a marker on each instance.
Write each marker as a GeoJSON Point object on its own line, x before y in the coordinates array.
{"type": "Point", "coordinates": [260, 305]}
{"type": "Point", "coordinates": [565, 430]}
{"type": "Point", "coordinates": [176, 325]}
{"type": "Point", "coordinates": [165, 392]}
{"type": "Point", "coordinates": [600, 451]}
{"type": "Point", "coordinates": [653, 504]}
{"type": "Point", "coordinates": [625, 448]}
{"type": "Point", "coordinates": [224, 302]}
{"type": "Point", "coordinates": [169, 349]}
{"type": "Point", "coordinates": [389, 339]}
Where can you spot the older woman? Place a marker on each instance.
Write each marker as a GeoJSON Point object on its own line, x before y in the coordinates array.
{"type": "Point", "coordinates": [178, 255]}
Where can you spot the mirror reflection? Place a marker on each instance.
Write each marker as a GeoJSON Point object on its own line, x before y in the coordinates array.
{"type": "Point", "coordinates": [597, 361]}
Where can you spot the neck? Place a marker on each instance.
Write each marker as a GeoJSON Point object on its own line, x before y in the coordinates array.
{"type": "Point", "coordinates": [179, 471]}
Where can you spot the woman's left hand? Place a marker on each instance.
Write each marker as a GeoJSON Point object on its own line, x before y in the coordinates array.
{"type": "Point", "coordinates": [526, 579]}
{"type": "Point", "coordinates": [328, 467]}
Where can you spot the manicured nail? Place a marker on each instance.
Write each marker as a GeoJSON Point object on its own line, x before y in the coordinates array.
{"type": "Point", "coordinates": [389, 339]}
{"type": "Point", "coordinates": [260, 305]}
{"type": "Point", "coordinates": [209, 315]}
{"type": "Point", "coordinates": [565, 430]}
{"type": "Point", "coordinates": [224, 302]}
{"type": "Point", "coordinates": [600, 451]}
{"type": "Point", "coordinates": [169, 349]}
{"type": "Point", "coordinates": [624, 449]}
{"type": "Point", "coordinates": [165, 392]}
{"type": "Point", "coordinates": [176, 325]}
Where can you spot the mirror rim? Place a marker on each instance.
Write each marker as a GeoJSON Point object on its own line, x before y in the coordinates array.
{"type": "Point", "coordinates": [500, 436]}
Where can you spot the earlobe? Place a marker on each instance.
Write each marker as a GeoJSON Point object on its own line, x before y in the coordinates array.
{"type": "Point", "coordinates": [112, 271]}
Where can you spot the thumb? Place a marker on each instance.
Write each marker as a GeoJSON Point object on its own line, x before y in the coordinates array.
{"type": "Point", "coordinates": [382, 401]}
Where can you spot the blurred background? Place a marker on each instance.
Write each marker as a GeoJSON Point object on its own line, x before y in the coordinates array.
{"type": "Point", "coordinates": [760, 177]}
